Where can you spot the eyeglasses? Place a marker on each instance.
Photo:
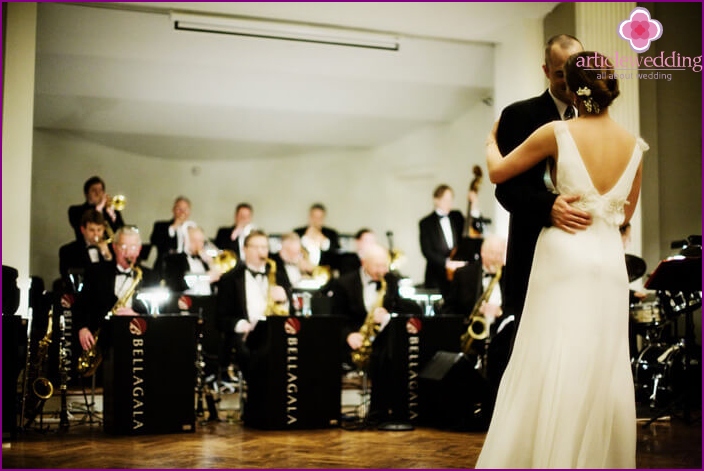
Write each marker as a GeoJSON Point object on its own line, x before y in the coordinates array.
{"type": "Point", "coordinates": [131, 248]}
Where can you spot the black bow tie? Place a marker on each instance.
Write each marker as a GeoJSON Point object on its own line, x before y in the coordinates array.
{"type": "Point", "coordinates": [377, 283]}
{"type": "Point", "coordinates": [255, 273]}
{"type": "Point", "coordinates": [126, 273]}
{"type": "Point", "coordinates": [488, 275]}
{"type": "Point", "coordinates": [195, 257]}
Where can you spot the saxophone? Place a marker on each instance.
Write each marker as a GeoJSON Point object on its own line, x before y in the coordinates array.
{"type": "Point", "coordinates": [35, 371]}
{"type": "Point", "coordinates": [273, 308]}
{"type": "Point", "coordinates": [369, 329]}
{"type": "Point", "coordinates": [90, 359]}
{"type": "Point", "coordinates": [478, 328]}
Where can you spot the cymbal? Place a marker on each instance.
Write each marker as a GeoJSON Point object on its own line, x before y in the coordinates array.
{"type": "Point", "coordinates": [635, 266]}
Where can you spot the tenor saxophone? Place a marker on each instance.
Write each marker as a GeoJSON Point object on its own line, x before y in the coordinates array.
{"type": "Point", "coordinates": [90, 359]}
{"type": "Point", "coordinates": [478, 328]}
{"type": "Point", "coordinates": [36, 377]}
{"type": "Point", "coordinates": [369, 329]}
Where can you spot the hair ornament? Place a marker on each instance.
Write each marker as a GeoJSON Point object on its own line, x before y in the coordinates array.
{"type": "Point", "coordinates": [590, 105]}
{"type": "Point", "coordinates": [584, 91]}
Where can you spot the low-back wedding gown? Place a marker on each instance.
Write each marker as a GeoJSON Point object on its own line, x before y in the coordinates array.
{"type": "Point", "coordinates": [566, 399]}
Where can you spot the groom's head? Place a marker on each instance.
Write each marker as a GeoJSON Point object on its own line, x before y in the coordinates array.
{"type": "Point", "coordinates": [557, 50]}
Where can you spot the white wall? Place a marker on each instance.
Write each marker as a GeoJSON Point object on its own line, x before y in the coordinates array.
{"type": "Point", "coordinates": [388, 188]}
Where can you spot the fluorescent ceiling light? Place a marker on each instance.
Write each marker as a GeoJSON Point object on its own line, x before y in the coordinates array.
{"type": "Point", "coordinates": [280, 30]}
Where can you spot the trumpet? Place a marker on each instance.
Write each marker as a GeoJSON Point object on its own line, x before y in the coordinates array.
{"type": "Point", "coordinates": [117, 203]}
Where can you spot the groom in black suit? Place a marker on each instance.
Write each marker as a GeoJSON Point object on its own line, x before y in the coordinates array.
{"type": "Point", "coordinates": [528, 197]}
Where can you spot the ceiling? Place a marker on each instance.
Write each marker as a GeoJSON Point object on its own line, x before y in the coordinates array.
{"type": "Point", "coordinates": [121, 75]}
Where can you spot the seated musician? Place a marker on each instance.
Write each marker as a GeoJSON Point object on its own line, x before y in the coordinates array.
{"type": "Point", "coordinates": [291, 260]}
{"type": "Point", "coordinates": [359, 297]}
{"type": "Point", "coordinates": [76, 256]}
{"type": "Point", "coordinates": [98, 199]}
{"type": "Point", "coordinates": [468, 285]}
{"type": "Point", "coordinates": [352, 261]}
{"type": "Point", "coordinates": [188, 272]}
{"type": "Point", "coordinates": [246, 297]}
{"type": "Point", "coordinates": [110, 286]}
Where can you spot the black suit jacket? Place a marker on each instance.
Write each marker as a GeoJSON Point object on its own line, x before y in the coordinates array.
{"type": "Point", "coordinates": [232, 298]}
{"type": "Point", "coordinates": [98, 295]}
{"type": "Point", "coordinates": [348, 301]}
{"type": "Point", "coordinates": [327, 257]}
{"type": "Point", "coordinates": [525, 196]}
{"type": "Point", "coordinates": [74, 256]}
{"type": "Point", "coordinates": [435, 249]}
{"type": "Point", "coordinates": [164, 243]}
{"type": "Point", "coordinates": [175, 268]}
{"type": "Point", "coordinates": [223, 241]}
{"type": "Point", "coordinates": [466, 288]}
{"type": "Point", "coordinates": [75, 213]}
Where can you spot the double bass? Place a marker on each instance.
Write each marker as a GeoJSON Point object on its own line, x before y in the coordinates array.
{"type": "Point", "coordinates": [473, 228]}
{"type": "Point", "coordinates": [472, 232]}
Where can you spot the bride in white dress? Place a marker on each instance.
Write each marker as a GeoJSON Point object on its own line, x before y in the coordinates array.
{"type": "Point", "coordinates": [566, 399]}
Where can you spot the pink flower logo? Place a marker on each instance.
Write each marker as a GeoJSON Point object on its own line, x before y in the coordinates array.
{"type": "Point", "coordinates": [640, 29]}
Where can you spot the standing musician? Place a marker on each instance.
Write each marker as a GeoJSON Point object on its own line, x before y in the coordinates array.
{"type": "Point", "coordinates": [233, 237]}
{"type": "Point", "coordinates": [170, 236]}
{"type": "Point", "coordinates": [243, 296]}
{"type": "Point", "coordinates": [440, 232]}
{"type": "Point", "coordinates": [96, 198]}
{"type": "Point", "coordinates": [106, 283]}
{"type": "Point", "coordinates": [78, 255]}
{"type": "Point", "coordinates": [322, 243]}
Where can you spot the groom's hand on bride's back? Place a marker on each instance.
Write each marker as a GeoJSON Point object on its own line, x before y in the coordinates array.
{"type": "Point", "coordinates": [568, 218]}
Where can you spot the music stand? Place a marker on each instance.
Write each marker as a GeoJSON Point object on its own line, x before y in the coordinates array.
{"type": "Point", "coordinates": [680, 275]}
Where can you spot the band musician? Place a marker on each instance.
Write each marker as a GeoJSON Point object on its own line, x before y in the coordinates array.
{"type": "Point", "coordinates": [245, 295]}
{"type": "Point", "coordinates": [189, 272]}
{"type": "Point", "coordinates": [359, 297]}
{"type": "Point", "coordinates": [96, 198]}
{"type": "Point", "coordinates": [321, 242]}
{"type": "Point", "coordinates": [291, 260]}
{"type": "Point", "coordinates": [110, 286]}
{"type": "Point", "coordinates": [76, 256]}
{"type": "Point", "coordinates": [440, 232]}
{"type": "Point", "coordinates": [170, 236]}
{"type": "Point", "coordinates": [233, 237]}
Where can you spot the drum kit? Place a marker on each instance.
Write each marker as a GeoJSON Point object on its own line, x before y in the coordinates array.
{"type": "Point", "coordinates": [667, 368]}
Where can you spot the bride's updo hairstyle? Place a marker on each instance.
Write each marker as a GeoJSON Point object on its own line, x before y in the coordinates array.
{"type": "Point", "coordinates": [590, 76]}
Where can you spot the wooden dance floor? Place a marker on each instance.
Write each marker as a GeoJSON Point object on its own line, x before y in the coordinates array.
{"type": "Point", "coordinates": [667, 443]}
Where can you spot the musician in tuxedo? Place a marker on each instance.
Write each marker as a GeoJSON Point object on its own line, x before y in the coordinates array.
{"type": "Point", "coordinates": [440, 232]}
{"type": "Point", "coordinates": [109, 281]}
{"type": "Point", "coordinates": [170, 236]}
{"type": "Point", "coordinates": [291, 261]}
{"type": "Point", "coordinates": [242, 299]}
{"type": "Point", "coordinates": [233, 237]}
{"type": "Point", "coordinates": [192, 262]}
{"type": "Point", "coordinates": [528, 197]}
{"type": "Point", "coordinates": [76, 256]}
{"type": "Point", "coordinates": [98, 199]}
{"type": "Point", "coordinates": [322, 243]}
{"type": "Point", "coordinates": [356, 295]}
{"type": "Point", "coordinates": [352, 261]}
